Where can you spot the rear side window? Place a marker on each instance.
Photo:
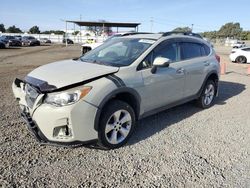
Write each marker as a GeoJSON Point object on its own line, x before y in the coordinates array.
{"type": "Point", "coordinates": [246, 49]}
{"type": "Point", "coordinates": [191, 50]}
{"type": "Point", "coordinates": [207, 49]}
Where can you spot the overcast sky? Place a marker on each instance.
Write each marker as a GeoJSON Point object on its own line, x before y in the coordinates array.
{"type": "Point", "coordinates": [166, 15]}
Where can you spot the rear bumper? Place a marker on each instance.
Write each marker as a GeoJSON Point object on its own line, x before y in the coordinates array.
{"type": "Point", "coordinates": [42, 139]}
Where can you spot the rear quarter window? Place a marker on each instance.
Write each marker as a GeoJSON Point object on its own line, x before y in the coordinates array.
{"type": "Point", "coordinates": [191, 50]}
{"type": "Point", "coordinates": [207, 49]}
{"type": "Point", "coordinates": [246, 49]}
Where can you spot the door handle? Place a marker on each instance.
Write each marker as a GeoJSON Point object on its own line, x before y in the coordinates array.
{"type": "Point", "coordinates": [206, 63]}
{"type": "Point", "coordinates": [180, 71]}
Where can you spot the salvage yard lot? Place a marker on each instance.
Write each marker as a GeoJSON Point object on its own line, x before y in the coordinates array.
{"type": "Point", "coordinates": [183, 146]}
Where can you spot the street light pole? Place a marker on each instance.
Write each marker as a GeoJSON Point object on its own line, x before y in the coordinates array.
{"type": "Point", "coordinates": [151, 24]}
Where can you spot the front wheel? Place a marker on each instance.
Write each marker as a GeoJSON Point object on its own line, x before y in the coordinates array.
{"type": "Point", "coordinates": [116, 124]}
{"type": "Point", "coordinates": [208, 94]}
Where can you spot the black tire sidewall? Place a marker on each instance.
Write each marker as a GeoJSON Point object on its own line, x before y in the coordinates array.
{"type": "Point", "coordinates": [241, 57]}
{"type": "Point", "coordinates": [108, 110]}
{"type": "Point", "coordinates": [201, 99]}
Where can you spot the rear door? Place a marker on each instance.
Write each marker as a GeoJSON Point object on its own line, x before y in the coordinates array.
{"type": "Point", "coordinates": [195, 64]}
{"type": "Point", "coordinates": [166, 85]}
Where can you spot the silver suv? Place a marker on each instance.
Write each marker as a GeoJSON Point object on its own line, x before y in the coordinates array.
{"type": "Point", "coordinates": [99, 97]}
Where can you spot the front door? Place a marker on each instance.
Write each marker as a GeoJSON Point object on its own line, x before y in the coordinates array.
{"type": "Point", "coordinates": [166, 85]}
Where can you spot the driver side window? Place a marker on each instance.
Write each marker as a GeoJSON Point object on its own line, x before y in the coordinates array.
{"type": "Point", "coordinates": [165, 49]}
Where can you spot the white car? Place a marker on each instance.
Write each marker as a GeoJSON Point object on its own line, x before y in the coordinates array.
{"type": "Point", "coordinates": [238, 44]}
{"type": "Point", "coordinates": [98, 98]}
{"type": "Point", "coordinates": [240, 55]}
{"type": "Point", "coordinates": [90, 46]}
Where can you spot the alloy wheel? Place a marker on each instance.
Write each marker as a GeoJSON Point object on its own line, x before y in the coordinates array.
{"type": "Point", "coordinates": [118, 126]}
{"type": "Point", "coordinates": [209, 94]}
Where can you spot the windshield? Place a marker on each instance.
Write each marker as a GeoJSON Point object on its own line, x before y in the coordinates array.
{"type": "Point", "coordinates": [118, 52]}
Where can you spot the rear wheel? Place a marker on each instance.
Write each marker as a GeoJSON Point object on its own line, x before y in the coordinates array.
{"type": "Point", "coordinates": [116, 124]}
{"type": "Point", "coordinates": [208, 94]}
{"type": "Point", "coordinates": [241, 59]}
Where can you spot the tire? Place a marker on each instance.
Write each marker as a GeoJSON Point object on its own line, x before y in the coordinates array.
{"type": "Point", "coordinates": [113, 133]}
{"type": "Point", "coordinates": [207, 96]}
{"type": "Point", "coordinates": [241, 59]}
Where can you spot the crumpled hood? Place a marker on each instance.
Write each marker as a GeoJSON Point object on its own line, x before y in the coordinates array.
{"type": "Point", "coordinates": [60, 74]}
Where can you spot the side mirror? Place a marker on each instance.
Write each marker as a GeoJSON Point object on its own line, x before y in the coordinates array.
{"type": "Point", "coordinates": [160, 62]}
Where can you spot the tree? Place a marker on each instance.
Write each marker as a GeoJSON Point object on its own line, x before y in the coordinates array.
{"type": "Point", "coordinates": [2, 28]}
{"type": "Point", "coordinates": [75, 32]}
{"type": "Point", "coordinates": [182, 29]}
{"type": "Point", "coordinates": [57, 32]}
{"type": "Point", "coordinates": [245, 35]}
{"type": "Point", "coordinates": [210, 34]}
{"type": "Point", "coordinates": [230, 30]}
{"type": "Point", "coordinates": [100, 29]}
{"type": "Point", "coordinates": [14, 29]}
{"type": "Point", "coordinates": [34, 30]}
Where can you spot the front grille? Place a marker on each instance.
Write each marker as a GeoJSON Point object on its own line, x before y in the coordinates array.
{"type": "Point", "coordinates": [31, 95]}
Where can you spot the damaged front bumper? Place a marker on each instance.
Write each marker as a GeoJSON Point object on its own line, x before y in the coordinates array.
{"type": "Point", "coordinates": [69, 126]}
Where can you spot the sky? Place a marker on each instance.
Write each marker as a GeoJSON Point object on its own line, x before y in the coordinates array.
{"type": "Point", "coordinates": [161, 15]}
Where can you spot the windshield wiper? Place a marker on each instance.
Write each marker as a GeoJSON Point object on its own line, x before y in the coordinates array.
{"type": "Point", "coordinates": [95, 61]}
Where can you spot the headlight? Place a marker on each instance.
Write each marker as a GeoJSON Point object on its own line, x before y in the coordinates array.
{"type": "Point", "coordinates": [67, 98]}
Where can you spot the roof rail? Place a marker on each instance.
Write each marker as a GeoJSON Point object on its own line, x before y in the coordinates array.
{"type": "Point", "coordinates": [135, 33]}
{"type": "Point", "coordinates": [182, 33]}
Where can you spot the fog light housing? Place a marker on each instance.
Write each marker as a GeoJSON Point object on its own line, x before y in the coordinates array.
{"type": "Point", "coordinates": [62, 132]}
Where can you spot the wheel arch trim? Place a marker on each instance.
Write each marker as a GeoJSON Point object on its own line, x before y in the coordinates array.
{"type": "Point", "coordinates": [205, 81]}
{"type": "Point", "coordinates": [112, 95]}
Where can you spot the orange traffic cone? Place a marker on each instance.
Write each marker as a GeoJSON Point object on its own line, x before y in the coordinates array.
{"type": "Point", "coordinates": [248, 70]}
{"type": "Point", "coordinates": [222, 68]}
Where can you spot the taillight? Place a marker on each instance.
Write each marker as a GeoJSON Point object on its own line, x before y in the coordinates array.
{"type": "Point", "coordinates": [217, 57]}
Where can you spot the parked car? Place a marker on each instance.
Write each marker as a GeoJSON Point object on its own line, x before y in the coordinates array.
{"type": "Point", "coordinates": [45, 40]}
{"type": "Point", "coordinates": [2, 44]}
{"type": "Point", "coordinates": [30, 41]}
{"type": "Point", "coordinates": [99, 97]}
{"type": "Point", "coordinates": [18, 37]}
{"type": "Point", "coordinates": [69, 41]}
{"type": "Point", "coordinates": [238, 44]}
{"type": "Point", "coordinates": [10, 40]}
{"type": "Point", "coordinates": [240, 55]}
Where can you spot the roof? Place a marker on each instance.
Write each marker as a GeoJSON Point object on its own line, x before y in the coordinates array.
{"type": "Point", "coordinates": [106, 24]}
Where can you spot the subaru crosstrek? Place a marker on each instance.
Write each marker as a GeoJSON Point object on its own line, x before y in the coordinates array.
{"type": "Point", "coordinates": [100, 96]}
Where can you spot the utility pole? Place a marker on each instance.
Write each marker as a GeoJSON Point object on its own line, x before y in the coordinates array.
{"type": "Point", "coordinates": [151, 24]}
{"type": "Point", "coordinates": [80, 29]}
{"type": "Point", "coordinates": [66, 35]}
{"type": "Point", "coordinates": [192, 27]}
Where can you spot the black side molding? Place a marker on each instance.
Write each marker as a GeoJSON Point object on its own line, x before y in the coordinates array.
{"type": "Point", "coordinates": [117, 81]}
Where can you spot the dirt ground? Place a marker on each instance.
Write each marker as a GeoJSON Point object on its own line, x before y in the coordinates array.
{"type": "Point", "coordinates": [183, 146]}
